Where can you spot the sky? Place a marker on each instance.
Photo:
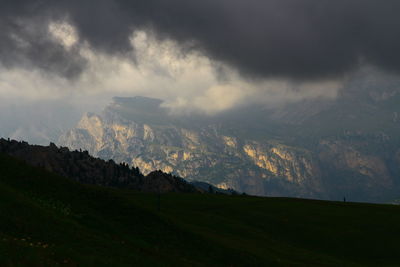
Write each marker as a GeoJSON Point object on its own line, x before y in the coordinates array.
{"type": "Point", "coordinates": [199, 56]}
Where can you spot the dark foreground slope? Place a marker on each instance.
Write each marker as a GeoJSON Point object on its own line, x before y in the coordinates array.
{"type": "Point", "coordinates": [48, 220]}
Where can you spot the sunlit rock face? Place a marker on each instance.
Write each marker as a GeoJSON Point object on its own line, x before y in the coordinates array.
{"type": "Point", "coordinates": [196, 153]}
{"type": "Point", "coordinates": [229, 152]}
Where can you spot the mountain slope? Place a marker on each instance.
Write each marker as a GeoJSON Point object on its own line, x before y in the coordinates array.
{"type": "Point", "coordinates": [46, 220]}
{"type": "Point", "coordinates": [139, 131]}
{"type": "Point", "coordinates": [316, 149]}
{"type": "Point", "coordinates": [82, 167]}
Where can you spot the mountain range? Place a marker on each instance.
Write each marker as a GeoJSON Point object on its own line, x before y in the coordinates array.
{"type": "Point", "coordinates": [327, 149]}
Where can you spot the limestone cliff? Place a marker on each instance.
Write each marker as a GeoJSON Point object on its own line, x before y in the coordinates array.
{"type": "Point", "coordinates": [230, 155]}
{"type": "Point", "coordinates": [197, 153]}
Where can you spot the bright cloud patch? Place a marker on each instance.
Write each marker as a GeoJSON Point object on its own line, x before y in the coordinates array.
{"type": "Point", "coordinates": [188, 82]}
{"type": "Point", "coordinates": [64, 33]}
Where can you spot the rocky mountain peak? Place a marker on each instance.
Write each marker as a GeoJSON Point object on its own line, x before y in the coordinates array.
{"type": "Point", "coordinates": [249, 149]}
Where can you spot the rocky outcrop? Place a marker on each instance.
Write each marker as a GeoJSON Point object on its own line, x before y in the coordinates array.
{"type": "Point", "coordinates": [82, 167]}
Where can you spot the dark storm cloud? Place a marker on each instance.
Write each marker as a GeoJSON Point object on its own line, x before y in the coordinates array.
{"type": "Point", "coordinates": [279, 38]}
{"type": "Point", "coordinates": [25, 41]}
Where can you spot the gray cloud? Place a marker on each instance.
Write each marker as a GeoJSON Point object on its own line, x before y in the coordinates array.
{"type": "Point", "coordinates": [296, 39]}
{"type": "Point", "coordinates": [25, 41]}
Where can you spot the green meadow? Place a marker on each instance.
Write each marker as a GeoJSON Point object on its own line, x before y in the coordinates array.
{"type": "Point", "coordinates": [48, 220]}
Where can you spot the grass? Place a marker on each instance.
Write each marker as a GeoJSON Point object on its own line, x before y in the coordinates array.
{"type": "Point", "coordinates": [47, 220]}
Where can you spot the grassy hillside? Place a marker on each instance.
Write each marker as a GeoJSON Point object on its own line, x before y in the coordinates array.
{"type": "Point", "coordinates": [48, 220]}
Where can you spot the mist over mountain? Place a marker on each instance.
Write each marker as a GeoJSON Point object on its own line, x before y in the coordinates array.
{"type": "Point", "coordinates": [329, 149]}
{"type": "Point", "coordinates": [39, 122]}
{"type": "Point", "coordinates": [302, 102]}
{"type": "Point", "coordinates": [176, 132]}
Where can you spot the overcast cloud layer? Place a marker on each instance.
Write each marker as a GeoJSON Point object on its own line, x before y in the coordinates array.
{"type": "Point", "coordinates": [295, 39]}
{"type": "Point", "coordinates": [61, 58]}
